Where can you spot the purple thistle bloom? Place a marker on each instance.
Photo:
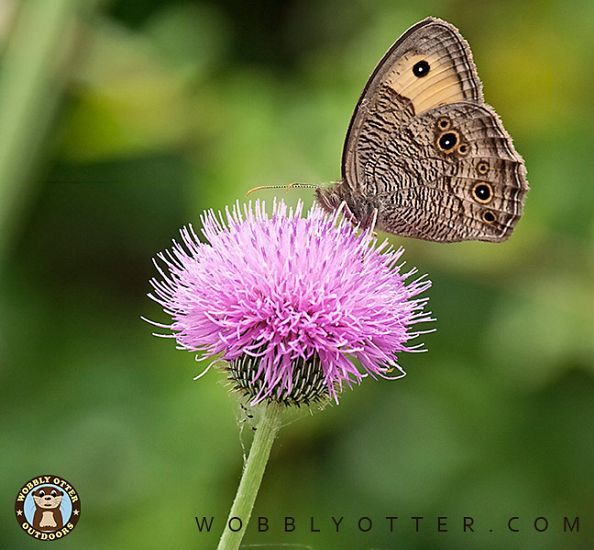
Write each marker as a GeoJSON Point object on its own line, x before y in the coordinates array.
{"type": "Point", "coordinates": [289, 302]}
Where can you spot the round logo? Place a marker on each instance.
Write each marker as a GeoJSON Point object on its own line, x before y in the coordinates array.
{"type": "Point", "coordinates": [47, 507]}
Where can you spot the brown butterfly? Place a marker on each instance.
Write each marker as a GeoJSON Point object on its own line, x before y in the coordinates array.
{"type": "Point", "coordinates": [424, 155]}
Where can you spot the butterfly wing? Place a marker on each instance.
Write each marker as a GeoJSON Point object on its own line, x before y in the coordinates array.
{"type": "Point", "coordinates": [452, 174]}
{"type": "Point", "coordinates": [421, 142]}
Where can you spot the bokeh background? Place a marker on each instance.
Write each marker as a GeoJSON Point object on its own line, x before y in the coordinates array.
{"type": "Point", "coordinates": [121, 121]}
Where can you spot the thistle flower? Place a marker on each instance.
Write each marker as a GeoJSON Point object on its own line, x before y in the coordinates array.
{"type": "Point", "coordinates": [297, 307]}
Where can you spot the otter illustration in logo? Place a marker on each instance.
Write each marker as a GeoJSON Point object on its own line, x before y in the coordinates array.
{"type": "Point", "coordinates": [47, 509]}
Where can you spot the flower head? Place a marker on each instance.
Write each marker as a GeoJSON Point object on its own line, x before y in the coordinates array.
{"type": "Point", "coordinates": [291, 303]}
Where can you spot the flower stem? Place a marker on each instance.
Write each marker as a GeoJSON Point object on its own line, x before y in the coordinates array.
{"type": "Point", "coordinates": [266, 430]}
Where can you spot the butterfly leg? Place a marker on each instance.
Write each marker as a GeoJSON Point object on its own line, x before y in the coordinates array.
{"type": "Point", "coordinates": [369, 220]}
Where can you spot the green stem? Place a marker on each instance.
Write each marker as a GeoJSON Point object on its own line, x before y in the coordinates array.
{"type": "Point", "coordinates": [32, 77]}
{"type": "Point", "coordinates": [266, 431]}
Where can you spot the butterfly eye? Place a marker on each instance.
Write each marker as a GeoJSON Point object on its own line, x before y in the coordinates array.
{"type": "Point", "coordinates": [463, 149]}
{"type": "Point", "coordinates": [488, 216]}
{"type": "Point", "coordinates": [482, 167]}
{"type": "Point", "coordinates": [447, 141]}
{"type": "Point", "coordinates": [421, 69]}
{"type": "Point", "coordinates": [482, 192]}
{"type": "Point", "coordinates": [443, 123]}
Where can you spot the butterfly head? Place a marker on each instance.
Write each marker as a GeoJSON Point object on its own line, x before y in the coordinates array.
{"type": "Point", "coordinates": [359, 212]}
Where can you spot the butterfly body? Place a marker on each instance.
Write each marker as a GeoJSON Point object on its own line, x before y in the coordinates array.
{"type": "Point", "coordinates": [424, 156]}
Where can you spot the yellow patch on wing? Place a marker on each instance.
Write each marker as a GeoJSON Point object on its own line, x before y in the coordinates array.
{"type": "Point", "coordinates": [440, 86]}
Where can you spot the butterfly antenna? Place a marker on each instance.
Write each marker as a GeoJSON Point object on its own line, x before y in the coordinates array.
{"type": "Point", "coordinates": [285, 187]}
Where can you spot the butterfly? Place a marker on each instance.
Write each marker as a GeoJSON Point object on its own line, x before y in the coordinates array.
{"type": "Point", "coordinates": [424, 155]}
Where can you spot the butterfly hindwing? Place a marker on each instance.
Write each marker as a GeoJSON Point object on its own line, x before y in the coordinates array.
{"type": "Point", "coordinates": [464, 180]}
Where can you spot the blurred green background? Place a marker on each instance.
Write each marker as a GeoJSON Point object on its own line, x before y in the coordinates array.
{"type": "Point", "coordinates": [121, 121]}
